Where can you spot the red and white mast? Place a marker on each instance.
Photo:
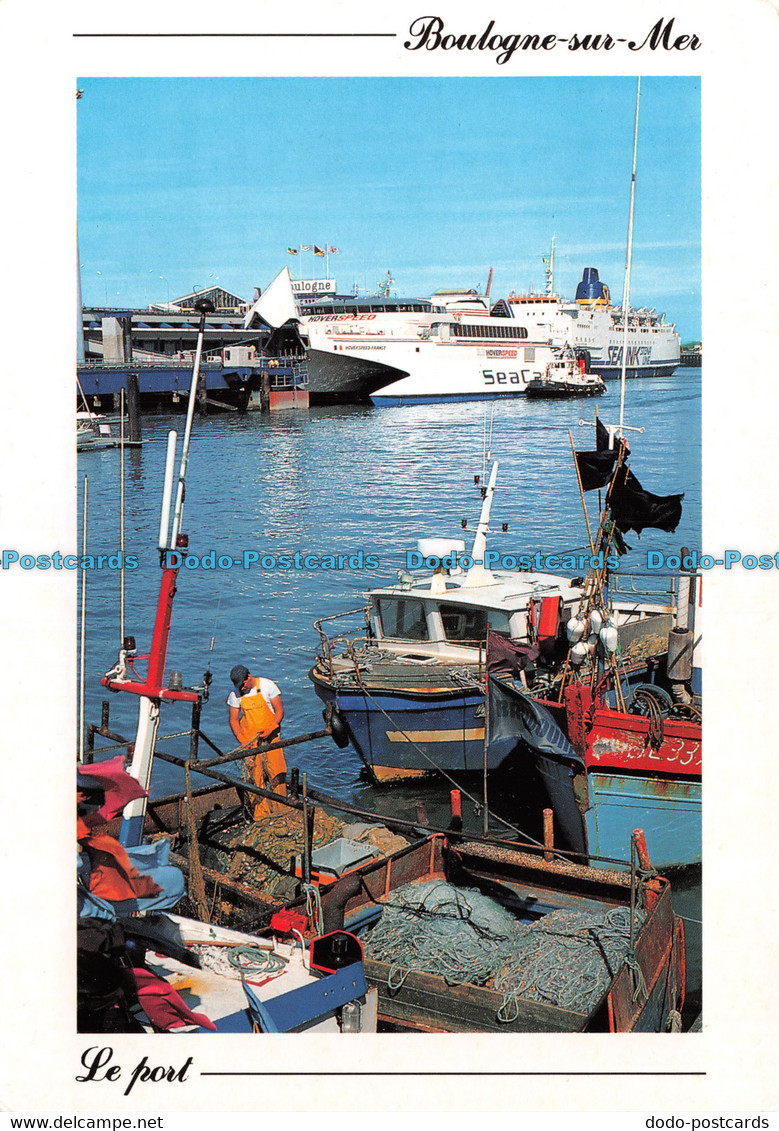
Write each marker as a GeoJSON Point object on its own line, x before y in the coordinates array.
{"type": "Point", "coordinates": [152, 689]}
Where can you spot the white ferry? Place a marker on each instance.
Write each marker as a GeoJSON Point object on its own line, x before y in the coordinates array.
{"type": "Point", "coordinates": [596, 331]}
{"type": "Point", "coordinates": [451, 347]}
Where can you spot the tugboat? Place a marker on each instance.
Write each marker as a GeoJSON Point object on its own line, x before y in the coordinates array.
{"type": "Point", "coordinates": [566, 377]}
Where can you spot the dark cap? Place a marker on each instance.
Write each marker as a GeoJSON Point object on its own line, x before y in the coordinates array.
{"type": "Point", "coordinates": [239, 675]}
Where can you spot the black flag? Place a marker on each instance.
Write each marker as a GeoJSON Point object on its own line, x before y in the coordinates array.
{"type": "Point", "coordinates": [596, 468]}
{"type": "Point", "coordinates": [601, 435]}
{"type": "Point", "coordinates": [633, 508]}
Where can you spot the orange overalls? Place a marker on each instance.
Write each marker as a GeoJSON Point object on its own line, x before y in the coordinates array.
{"type": "Point", "coordinates": [256, 724]}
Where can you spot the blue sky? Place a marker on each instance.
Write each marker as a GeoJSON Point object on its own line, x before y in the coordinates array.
{"type": "Point", "coordinates": [186, 181]}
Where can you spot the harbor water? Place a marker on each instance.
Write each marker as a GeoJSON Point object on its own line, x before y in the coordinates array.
{"type": "Point", "coordinates": [358, 484]}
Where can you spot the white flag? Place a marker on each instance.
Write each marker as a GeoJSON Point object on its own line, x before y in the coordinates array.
{"type": "Point", "coordinates": [277, 305]}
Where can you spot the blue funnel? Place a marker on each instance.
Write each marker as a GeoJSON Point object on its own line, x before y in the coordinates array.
{"type": "Point", "coordinates": [590, 289]}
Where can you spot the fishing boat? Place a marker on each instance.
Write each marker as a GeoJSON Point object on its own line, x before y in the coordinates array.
{"type": "Point", "coordinates": [463, 936]}
{"type": "Point", "coordinates": [608, 769]}
{"type": "Point", "coordinates": [618, 745]}
{"type": "Point", "coordinates": [405, 676]}
{"type": "Point", "coordinates": [141, 967]}
{"type": "Point", "coordinates": [505, 935]}
{"type": "Point", "coordinates": [566, 377]}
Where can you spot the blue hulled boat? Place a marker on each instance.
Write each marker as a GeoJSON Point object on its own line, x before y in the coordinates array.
{"type": "Point", "coordinates": [406, 680]}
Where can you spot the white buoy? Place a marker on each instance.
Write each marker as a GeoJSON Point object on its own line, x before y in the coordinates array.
{"type": "Point", "coordinates": [609, 636]}
{"type": "Point", "coordinates": [579, 653]}
{"type": "Point", "coordinates": [596, 621]}
{"type": "Point", "coordinates": [575, 629]}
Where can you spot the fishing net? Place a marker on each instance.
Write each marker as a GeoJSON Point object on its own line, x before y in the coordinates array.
{"type": "Point", "coordinates": [437, 928]}
{"type": "Point", "coordinates": [566, 958]}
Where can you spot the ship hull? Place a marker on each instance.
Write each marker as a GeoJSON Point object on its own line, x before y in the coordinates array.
{"type": "Point", "coordinates": [402, 734]}
{"type": "Point", "coordinates": [421, 359]}
{"type": "Point", "coordinates": [340, 378]}
{"type": "Point", "coordinates": [626, 780]}
{"type": "Point", "coordinates": [660, 369]}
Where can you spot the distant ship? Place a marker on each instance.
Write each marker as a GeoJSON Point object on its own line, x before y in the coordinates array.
{"type": "Point", "coordinates": [596, 330]}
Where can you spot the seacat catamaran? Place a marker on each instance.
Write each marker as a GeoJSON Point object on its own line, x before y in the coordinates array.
{"type": "Point", "coordinates": [453, 347]}
{"type": "Point", "coordinates": [410, 687]}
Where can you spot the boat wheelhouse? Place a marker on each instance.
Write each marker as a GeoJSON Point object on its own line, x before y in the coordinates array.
{"type": "Point", "coordinates": [409, 682]}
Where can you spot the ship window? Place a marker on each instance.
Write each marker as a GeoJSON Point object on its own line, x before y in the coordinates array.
{"type": "Point", "coordinates": [464, 623]}
{"type": "Point", "coordinates": [467, 624]}
{"type": "Point", "coordinates": [403, 618]}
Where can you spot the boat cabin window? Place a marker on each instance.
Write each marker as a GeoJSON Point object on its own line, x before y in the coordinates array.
{"type": "Point", "coordinates": [466, 623]}
{"type": "Point", "coordinates": [468, 330]}
{"type": "Point", "coordinates": [403, 618]}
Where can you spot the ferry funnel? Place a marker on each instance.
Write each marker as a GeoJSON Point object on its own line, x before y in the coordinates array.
{"type": "Point", "coordinates": [591, 289]}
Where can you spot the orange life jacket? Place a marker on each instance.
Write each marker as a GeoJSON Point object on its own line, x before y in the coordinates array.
{"type": "Point", "coordinates": [256, 720]}
{"type": "Point", "coordinates": [255, 717]}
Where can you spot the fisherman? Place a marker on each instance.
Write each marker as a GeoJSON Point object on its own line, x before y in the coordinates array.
{"type": "Point", "coordinates": [256, 711]}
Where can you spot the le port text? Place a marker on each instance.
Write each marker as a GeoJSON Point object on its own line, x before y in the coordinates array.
{"type": "Point", "coordinates": [99, 1065]}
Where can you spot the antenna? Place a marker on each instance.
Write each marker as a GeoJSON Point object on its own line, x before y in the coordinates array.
{"type": "Point", "coordinates": [626, 293]}
{"type": "Point", "coordinates": [205, 307]}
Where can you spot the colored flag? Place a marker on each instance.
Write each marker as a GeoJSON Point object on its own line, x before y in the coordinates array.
{"type": "Point", "coordinates": [318, 250]}
{"type": "Point", "coordinates": [333, 250]}
{"type": "Point", "coordinates": [292, 251]}
{"type": "Point", "coordinates": [306, 247]}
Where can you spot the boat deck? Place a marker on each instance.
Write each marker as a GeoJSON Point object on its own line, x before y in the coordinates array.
{"type": "Point", "coordinates": [410, 674]}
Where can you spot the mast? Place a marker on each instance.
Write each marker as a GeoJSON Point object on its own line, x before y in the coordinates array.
{"type": "Point", "coordinates": [151, 690]}
{"type": "Point", "coordinates": [628, 260]}
{"type": "Point", "coordinates": [549, 270]}
{"type": "Point", "coordinates": [477, 574]}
